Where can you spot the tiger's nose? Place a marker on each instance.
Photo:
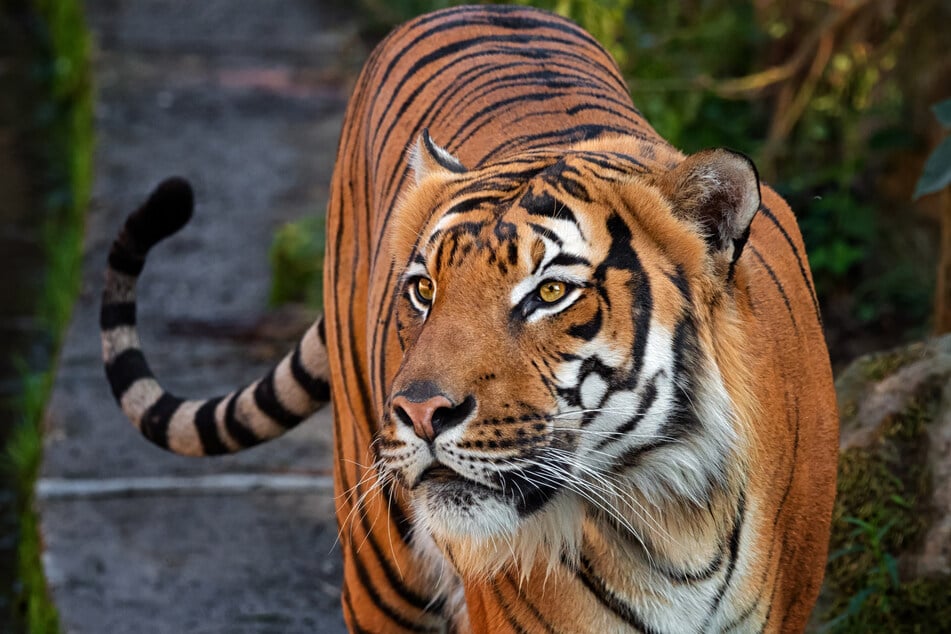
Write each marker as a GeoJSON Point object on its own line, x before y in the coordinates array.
{"type": "Point", "coordinates": [432, 416]}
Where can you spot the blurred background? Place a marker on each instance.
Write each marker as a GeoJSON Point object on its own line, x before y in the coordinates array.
{"type": "Point", "coordinates": [845, 106]}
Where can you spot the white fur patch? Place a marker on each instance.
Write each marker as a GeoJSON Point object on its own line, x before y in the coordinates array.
{"type": "Point", "coordinates": [592, 391]}
{"type": "Point", "coordinates": [117, 340]}
{"type": "Point", "coordinates": [140, 396]}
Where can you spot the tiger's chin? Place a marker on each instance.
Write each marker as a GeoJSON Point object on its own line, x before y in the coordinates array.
{"type": "Point", "coordinates": [483, 533]}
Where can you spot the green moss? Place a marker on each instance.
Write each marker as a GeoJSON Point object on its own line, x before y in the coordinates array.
{"type": "Point", "coordinates": [24, 452]}
{"type": "Point", "coordinates": [297, 262]}
{"type": "Point", "coordinates": [881, 511]}
{"type": "Point", "coordinates": [927, 600]}
{"type": "Point", "coordinates": [880, 366]}
{"type": "Point", "coordinates": [848, 410]}
{"type": "Point", "coordinates": [65, 124]}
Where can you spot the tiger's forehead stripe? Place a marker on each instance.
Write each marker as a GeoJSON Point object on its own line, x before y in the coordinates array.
{"type": "Point", "coordinates": [545, 232]}
{"type": "Point", "coordinates": [544, 204]}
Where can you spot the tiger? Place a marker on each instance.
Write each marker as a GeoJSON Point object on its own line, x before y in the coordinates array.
{"type": "Point", "coordinates": [579, 379]}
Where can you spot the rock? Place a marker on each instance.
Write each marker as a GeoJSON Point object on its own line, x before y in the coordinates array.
{"type": "Point", "coordinates": [890, 552]}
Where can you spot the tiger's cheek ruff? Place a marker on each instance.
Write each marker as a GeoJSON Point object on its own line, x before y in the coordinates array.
{"type": "Point", "coordinates": [479, 519]}
{"type": "Point", "coordinates": [637, 412]}
{"type": "Point", "coordinates": [488, 494]}
{"type": "Point", "coordinates": [481, 542]}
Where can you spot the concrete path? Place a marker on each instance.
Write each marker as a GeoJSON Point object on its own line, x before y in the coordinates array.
{"type": "Point", "coordinates": [245, 98]}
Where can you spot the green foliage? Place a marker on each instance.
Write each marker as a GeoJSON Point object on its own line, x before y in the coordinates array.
{"type": "Point", "coordinates": [67, 118]}
{"type": "Point", "coordinates": [23, 454]}
{"type": "Point", "coordinates": [297, 262]}
{"type": "Point", "coordinates": [840, 230]}
{"type": "Point", "coordinates": [64, 128]}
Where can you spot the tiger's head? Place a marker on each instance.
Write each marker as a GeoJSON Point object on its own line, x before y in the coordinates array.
{"type": "Point", "coordinates": [568, 327]}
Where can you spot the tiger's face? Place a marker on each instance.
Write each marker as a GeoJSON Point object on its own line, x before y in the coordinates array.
{"type": "Point", "coordinates": [554, 360]}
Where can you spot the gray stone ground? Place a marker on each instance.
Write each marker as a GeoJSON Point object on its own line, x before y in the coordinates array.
{"type": "Point", "coordinates": [245, 98]}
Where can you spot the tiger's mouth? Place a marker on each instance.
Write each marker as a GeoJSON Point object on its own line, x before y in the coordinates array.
{"type": "Point", "coordinates": [527, 490]}
{"type": "Point", "coordinates": [440, 478]}
{"type": "Point", "coordinates": [438, 472]}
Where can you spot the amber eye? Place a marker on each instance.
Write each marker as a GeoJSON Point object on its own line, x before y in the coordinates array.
{"type": "Point", "coordinates": [425, 289]}
{"type": "Point", "coordinates": [551, 291]}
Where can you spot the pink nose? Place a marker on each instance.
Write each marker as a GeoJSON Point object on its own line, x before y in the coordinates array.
{"type": "Point", "coordinates": [420, 414]}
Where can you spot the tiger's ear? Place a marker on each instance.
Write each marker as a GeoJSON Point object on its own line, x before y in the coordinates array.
{"type": "Point", "coordinates": [427, 158]}
{"type": "Point", "coordinates": [718, 191]}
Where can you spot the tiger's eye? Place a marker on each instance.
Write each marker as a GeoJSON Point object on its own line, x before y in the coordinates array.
{"type": "Point", "coordinates": [425, 289]}
{"type": "Point", "coordinates": [551, 291]}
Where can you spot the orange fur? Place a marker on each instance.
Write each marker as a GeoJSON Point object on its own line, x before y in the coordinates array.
{"type": "Point", "coordinates": [758, 325]}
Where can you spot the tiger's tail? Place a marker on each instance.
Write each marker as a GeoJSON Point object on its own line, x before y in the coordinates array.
{"type": "Point", "coordinates": [292, 390]}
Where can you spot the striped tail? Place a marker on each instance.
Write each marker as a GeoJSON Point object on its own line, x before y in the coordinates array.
{"type": "Point", "coordinates": [295, 388]}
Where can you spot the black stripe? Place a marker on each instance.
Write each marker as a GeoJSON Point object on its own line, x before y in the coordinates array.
{"type": "Point", "coordinates": [241, 434]}
{"type": "Point", "coordinates": [506, 608]}
{"type": "Point", "coordinates": [779, 285]}
{"type": "Point", "coordinates": [512, 250]}
{"type": "Point", "coordinates": [154, 423]}
{"type": "Point", "coordinates": [498, 19]}
{"type": "Point", "coordinates": [648, 396]}
{"type": "Point", "coordinates": [632, 457]}
{"type": "Point", "coordinates": [125, 369]}
{"type": "Point", "coordinates": [500, 15]}
{"type": "Point", "coordinates": [621, 255]}
{"type": "Point", "coordinates": [265, 397]}
{"type": "Point", "coordinates": [679, 279]}
{"type": "Point", "coordinates": [560, 74]}
{"type": "Point", "coordinates": [743, 616]}
{"type": "Point", "coordinates": [531, 488]}
{"type": "Point", "coordinates": [450, 163]}
{"type": "Point", "coordinates": [115, 314]}
{"type": "Point", "coordinates": [544, 204]}
{"type": "Point", "coordinates": [353, 624]}
{"type": "Point", "coordinates": [735, 537]}
{"type": "Point", "coordinates": [211, 442]}
{"type": "Point", "coordinates": [473, 202]}
{"type": "Point", "coordinates": [404, 525]}
{"type": "Point", "coordinates": [367, 584]}
{"type": "Point", "coordinates": [513, 106]}
{"type": "Point", "coordinates": [546, 233]}
{"type": "Point", "coordinates": [683, 419]}
{"type": "Point", "coordinates": [617, 114]}
{"type": "Point", "coordinates": [695, 576]}
{"type": "Point", "coordinates": [799, 260]}
{"type": "Point", "coordinates": [779, 511]}
{"type": "Point", "coordinates": [528, 604]}
{"type": "Point", "coordinates": [738, 244]}
{"type": "Point", "coordinates": [571, 86]}
{"type": "Point", "coordinates": [608, 599]}
{"type": "Point", "coordinates": [124, 260]}
{"type": "Point", "coordinates": [489, 113]}
{"type": "Point", "coordinates": [565, 259]}
{"type": "Point", "coordinates": [589, 329]}
{"type": "Point", "coordinates": [322, 332]}
{"type": "Point", "coordinates": [317, 388]}
{"type": "Point", "coordinates": [620, 164]}
{"type": "Point", "coordinates": [561, 136]}
{"type": "Point", "coordinates": [395, 579]}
